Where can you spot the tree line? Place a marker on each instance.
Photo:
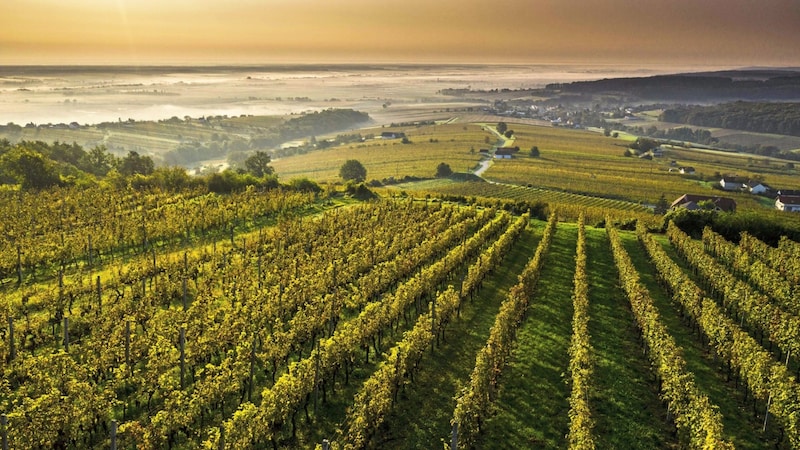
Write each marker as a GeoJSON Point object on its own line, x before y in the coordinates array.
{"type": "Point", "coordinates": [37, 165]}
{"type": "Point", "coordinates": [759, 117]}
{"type": "Point", "coordinates": [751, 85]}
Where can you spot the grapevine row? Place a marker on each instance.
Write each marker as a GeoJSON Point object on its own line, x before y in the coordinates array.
{"type": "Point", "coordinates": [379, 392]}
{"type": "Point", "coordinates": [782, 328]}
{"type": "Point", "coordinates": [780, 259]}
{"type": "Point", "coordinates": [252, 424]}
{"type": "Point", "coordinates": [580, 354]}
{"type": "Point", "coordinates": [756, 271]}
{"type": "Point", "coordinates": [474, 403]}
{"type": "Point", "coordinates": [698, 420]}
{"type": "Point", "coordinates": [767, 379]}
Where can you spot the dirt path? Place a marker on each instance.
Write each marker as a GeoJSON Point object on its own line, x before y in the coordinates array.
{"type": "Point", "coordinates": [483, 167]}
{"type": "Point", "coordinates": [487, 162]}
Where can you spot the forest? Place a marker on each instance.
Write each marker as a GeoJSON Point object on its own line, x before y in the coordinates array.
{"type": "Point", "coordinates": [747, 85]}
{"type": "Point", "coordinates": [759, 117]}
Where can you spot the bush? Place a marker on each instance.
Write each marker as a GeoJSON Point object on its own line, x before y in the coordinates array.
{"type": "Point", "coordinates": [304, 185]}
{"type": "Point", "coordinates": [359, 191]}
{"type": "Point", "coordinates": [229, 181]}
{"type": "Point", "coordinates": [443, 170]}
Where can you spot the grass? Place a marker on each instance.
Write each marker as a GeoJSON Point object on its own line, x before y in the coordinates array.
{"type": "Point", "coordinates": [589, 163]}
{"type": "Point", "coordinates": [740, 425]}
{"type": "Point", "coordinates": [448, 368]}
{"type": "Point", "coordinates": [625, 401]}
{"type": "Point", "coordinates": [441, 374]}
{"type": "Point", "coordinates": [454, 144]}
{"type": "Point", "coordinates": [531, 410]}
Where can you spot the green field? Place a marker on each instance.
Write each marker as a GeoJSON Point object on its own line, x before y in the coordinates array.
{"type": "Point", "coordinates": [454, 144]}
{"type": "Point", "coordinates": [279, 319]}
{"type": "Point", "coordinates": [572, 166]}
{"type": "Point", "coordinates": [334, 261]}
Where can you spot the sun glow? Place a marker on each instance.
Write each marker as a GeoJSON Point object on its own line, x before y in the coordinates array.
{"type": "Point", "coordinates": [392, 30]}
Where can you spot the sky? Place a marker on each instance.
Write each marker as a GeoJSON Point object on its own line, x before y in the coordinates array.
{"type": "Point", "coordinates": [734, 33]}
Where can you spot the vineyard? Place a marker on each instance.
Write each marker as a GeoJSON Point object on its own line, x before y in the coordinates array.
{"type": "Point", "coordinates": [282, 320]}
{"type": "Point", "coordinates": [569, 205]}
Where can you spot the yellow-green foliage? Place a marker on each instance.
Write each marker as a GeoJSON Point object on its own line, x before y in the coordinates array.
{"type": "Point", "coordinates": [384, 158]}
{"type": "Point", "coordinates": [588, 162]}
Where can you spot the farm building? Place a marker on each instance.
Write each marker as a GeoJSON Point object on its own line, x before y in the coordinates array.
{"type": "Point", "coordinates": [692, 202]}
{"type": "Point", "coordinates": [788, 203]}
{"type": "Point", "coordinates": [392, 135]}
{"type": "Point", "coordinates": [732, 183]}
{"type": "Point", "coordinates": [503, 153]}
{"type": "Point", "coordinates": [757, 187]}
{"type": "Point", "coordinates": [686, 170]}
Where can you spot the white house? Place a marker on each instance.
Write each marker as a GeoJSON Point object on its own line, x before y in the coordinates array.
{"type": "Point", "coordinates": [732, 183]}
{"type": "Point", "coordinates": [789, 203]}
{"type": "Point", "coordinates": [757, 187]}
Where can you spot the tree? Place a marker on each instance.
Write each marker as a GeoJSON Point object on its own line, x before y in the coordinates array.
{"type": "Point", "coordinates": [443, 170]}
{"type": "Point", "coordinates": [644, 145]}
{"type": "Point", "coordinates": [100, 161]}
{"type": "Point", "coordinates": [508, 133]}
{"type": "Point", "coordinates": [352, 169]}
{"type": "Point", "coordinates": [134, 163]}
{"type": "Point", "coordinates": [257, 164]}
{"type": "Point", "coordinates": [534, 153]}
{"type": "Point", "coordinates": [30, 168]}
{"type": "Point", "coordinates": [662, 205]}
{"type": "Point", "coordinates": [502, 127]}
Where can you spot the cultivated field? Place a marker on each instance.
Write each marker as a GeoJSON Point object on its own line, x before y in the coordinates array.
{"type": "Point", "coordinates": [455, 144]}
{"type": "Point", "coordinates": [573, 165]}
{"type": "Point", "coordinates": [383, 324]}
{"type": "Point", "coordinates": [445, 311]}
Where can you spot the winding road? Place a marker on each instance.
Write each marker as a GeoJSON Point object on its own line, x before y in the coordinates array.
{"type": "Point", "coordinates": [486, 163]}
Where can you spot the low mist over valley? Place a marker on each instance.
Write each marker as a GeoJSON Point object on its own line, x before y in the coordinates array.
{"type": "Point", "coordinates": [399, 225]}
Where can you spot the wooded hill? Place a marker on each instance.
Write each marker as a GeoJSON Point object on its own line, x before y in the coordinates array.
{"type": "Point", "coordinates": [729, 85]}
{"type": "Point", "coordinates": [778, 118]}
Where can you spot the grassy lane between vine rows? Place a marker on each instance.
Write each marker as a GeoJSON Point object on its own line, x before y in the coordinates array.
{"type": "Point", "coordinates": [740, 425]}
{"type": "Point", "coordinates": [422, 416]}
{"type": "Point", "coordinates": [533, 404]}
{"type": "Point", "coordinates": [332, 412]}
{"type": "Point", "coordinates": [625, 396]}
